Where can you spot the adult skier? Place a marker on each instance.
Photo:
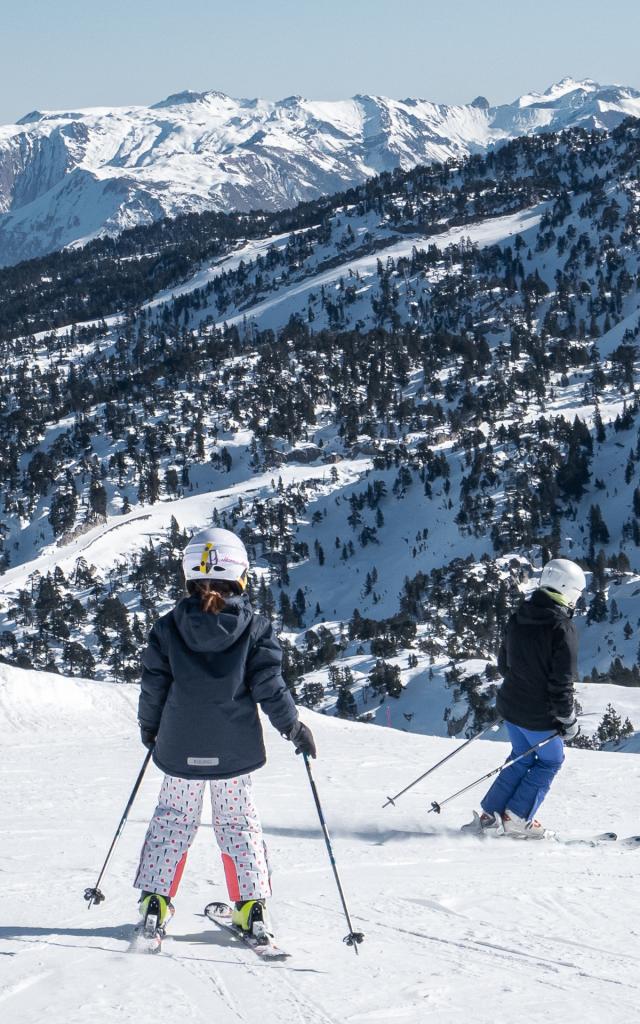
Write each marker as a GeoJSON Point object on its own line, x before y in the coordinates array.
{"type": "Point", "coordinates": [538, 660]}
{"type": "Point", "coordinates": [208, 664]}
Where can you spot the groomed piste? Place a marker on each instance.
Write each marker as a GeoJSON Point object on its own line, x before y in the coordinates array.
{"type": "Point", "coordinates": [456, 928]}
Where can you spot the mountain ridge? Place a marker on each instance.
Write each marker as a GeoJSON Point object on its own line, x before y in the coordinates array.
{"type": "Point", "coordinates": [69, 176]}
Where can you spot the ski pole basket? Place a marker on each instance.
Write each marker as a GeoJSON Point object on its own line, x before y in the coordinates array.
{"type": "Point", "coordinates": [94, 896]}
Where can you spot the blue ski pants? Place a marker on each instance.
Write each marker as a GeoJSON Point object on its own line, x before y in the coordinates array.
{"type": "Point", "coordinates": [522, 786]}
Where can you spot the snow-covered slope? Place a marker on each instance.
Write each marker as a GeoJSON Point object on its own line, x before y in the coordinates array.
{"type": "Point", "coordinates": [66, 176]}
{"type": "Point", "coordinates": [324, 273]}
{"type": "Point", "coordinates": [456, 929]}
{"type": "Point", "coordinates": [404, 406]}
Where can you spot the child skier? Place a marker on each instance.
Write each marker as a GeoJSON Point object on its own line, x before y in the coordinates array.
{"type": "Point", "coordinates": [538, 660]}
{"type": "Point", "coordinates": [208, 663]}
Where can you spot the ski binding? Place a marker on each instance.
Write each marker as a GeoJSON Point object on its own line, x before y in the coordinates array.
{"type": "Point", "coordinates": [149, 933]}
{"type": "Point", "coordinates": [260, 941]}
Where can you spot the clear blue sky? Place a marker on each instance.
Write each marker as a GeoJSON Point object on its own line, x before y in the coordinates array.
{"type": "Point", "coordinates": [77, 53]}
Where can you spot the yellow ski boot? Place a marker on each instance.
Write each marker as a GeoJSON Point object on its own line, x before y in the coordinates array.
{"type": "Point", "coordinates": [250, 917]}
{"type": "Point", "coordinates": [155, 911]}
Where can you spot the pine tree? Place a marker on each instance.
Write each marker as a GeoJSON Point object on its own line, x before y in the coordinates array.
{"type": "Point", "coordinates": [598, 608]}
{"type": "Point", "coordinates": [312, 694]}
{"type": "Point", "coordinates": [385, 678]}
{"type": "Point", "coordinates": [345, 704]}
{"type": "Point", "coordinates": [300, 605]}
{"type": "Point", "coordinates": [573, 475]}
{"type": "Point", "coordinates": [98, 498]}
{"type": "Point", "coordinates": [611, 728]}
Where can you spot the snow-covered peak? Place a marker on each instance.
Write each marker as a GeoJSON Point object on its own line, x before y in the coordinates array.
{"type": "Point", "coordinates": [31, 117]}
{"type": "Point", "coordinates": [569, 84]}
{"type": "Point", "coordinates": [571, 91]}
{"type": "Point", "coordinates": [557, 91]}
{"type": "Point", "coordinates": [178, 99]}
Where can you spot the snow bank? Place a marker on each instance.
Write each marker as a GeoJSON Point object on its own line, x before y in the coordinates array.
{"type": "Point", "coordinates": [55, 707]}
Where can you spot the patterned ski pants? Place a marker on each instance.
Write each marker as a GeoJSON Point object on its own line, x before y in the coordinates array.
{"type": "Point", "coordinates": [237, 830]}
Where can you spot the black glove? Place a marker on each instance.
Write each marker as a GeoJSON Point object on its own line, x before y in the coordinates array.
{"type": "Point", "coordinates": [148, 737]}
{"type": "Point", "coordinates": [568, 728]}
{"type": "Point", "coordinates": [302, 738]}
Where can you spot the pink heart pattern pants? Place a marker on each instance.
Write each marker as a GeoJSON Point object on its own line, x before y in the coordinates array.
{"type": "Point", "coordinates": [237, 830]}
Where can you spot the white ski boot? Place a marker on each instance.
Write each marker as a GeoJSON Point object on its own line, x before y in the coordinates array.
{"type": "Point", "coordinates": [483, 824]}
{"type": "Point", "coordinates": [520, 828]}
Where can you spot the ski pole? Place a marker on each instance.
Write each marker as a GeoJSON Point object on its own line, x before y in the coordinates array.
{"type": "Point", "coordinates": [437, 806]}
{"type": "Point", "coordinates": [353, 938]}
{"type": "Point", "coordinates": [94, 895]}
{"type": "Point", "coordinates": [488, 728]}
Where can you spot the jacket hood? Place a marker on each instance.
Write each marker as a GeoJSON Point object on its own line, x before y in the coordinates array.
{"type": "Point", "coordinates": [208, 632]}
{"type": "Point", "coordinates": [540, 610]}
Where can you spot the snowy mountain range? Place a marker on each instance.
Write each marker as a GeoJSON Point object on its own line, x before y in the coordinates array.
{"type": "Point", "coordinates": [68, 176]}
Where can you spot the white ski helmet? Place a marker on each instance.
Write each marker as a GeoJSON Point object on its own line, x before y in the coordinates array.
{"type": "Point", "coordinates": [216, 555]}
{"type": "Point", "coordinates": [565, 577]}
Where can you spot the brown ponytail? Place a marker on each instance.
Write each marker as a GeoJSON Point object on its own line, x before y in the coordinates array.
{"type": "Point", "coordinates": [211, 601]}
{"type": "Point", "coordinates": [213, 597]}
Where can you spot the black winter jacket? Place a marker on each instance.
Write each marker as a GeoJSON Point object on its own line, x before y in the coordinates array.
{"type": "Point", "coordinates": [539, 662]}
{"type": "Point", "coordinates": [203, 676]}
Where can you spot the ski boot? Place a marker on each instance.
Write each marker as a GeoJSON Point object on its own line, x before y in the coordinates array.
{"type": "Point", "coordinates": [155, 911]}
{"type": "Point", "coordinates": [484, 824]}
{"type": "Point", "coordinates": [246, 921]}
{"type": "Point", "coordinates": [249, 917]}
{"type": "Point", "coordinates": [520, 828]}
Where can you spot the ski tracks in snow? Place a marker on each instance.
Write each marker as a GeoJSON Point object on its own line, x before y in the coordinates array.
{"type": "Point", "coordinates": [247, 986]}
{"type": "Point", "coordinates": [478, 949]}
{"type": "Point", "coordinates": [7, 991]}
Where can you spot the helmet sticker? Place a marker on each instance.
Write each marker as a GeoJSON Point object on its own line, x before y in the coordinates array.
{"type": "Point", "coordinates": [205, 561]}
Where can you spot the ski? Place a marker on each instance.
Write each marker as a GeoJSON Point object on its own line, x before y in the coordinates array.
{"type": "Point", "coordinates": [598, 840]}
{"type": "Point", "coordinates": [601, 840]}
{"type": "Point", "coordinates": [146, 939]}
{"type": "Point", "coordinates": [264, 947]}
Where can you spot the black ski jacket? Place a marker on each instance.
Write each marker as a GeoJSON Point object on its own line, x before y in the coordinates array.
{"type": "Point", "coordinates": [539, 662]}
{"type": "Point", "coordinates": [203, 676]}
